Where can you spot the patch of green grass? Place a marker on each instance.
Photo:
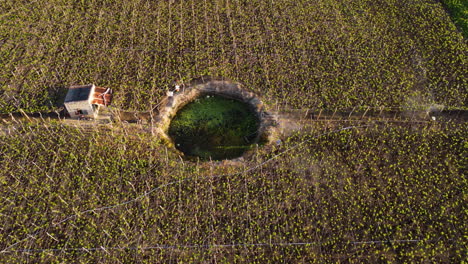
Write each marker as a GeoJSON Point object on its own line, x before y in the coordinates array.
{"type": "Point", "coordinates": [214, 126]}
{"type": "Point", "coordinates": [458, 10]}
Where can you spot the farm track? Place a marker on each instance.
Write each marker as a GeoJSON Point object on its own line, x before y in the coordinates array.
{"type": "Point", "coordinates": [288, 121]}
{"type": "Point", "coordinates": [299, 119]}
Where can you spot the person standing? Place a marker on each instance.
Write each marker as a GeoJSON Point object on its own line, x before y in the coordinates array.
{"type": "Point", "coordinates": [177, 86]}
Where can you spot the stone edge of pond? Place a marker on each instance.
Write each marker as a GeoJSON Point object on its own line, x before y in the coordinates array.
{"type": "Point", "coordinates": [268, 130]}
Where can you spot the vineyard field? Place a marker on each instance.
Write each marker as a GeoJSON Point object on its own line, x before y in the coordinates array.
{"type": "Point", "coordinates": [336, 192]}
{"type": "Point", "coordinates": [327, 54]}
{"type": "Point", "coordinates": [351, 139]}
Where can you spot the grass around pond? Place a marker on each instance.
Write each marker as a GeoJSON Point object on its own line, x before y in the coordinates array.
{"type": "Point", "coordinates": [458, 10]}
{"type": "Point", "coordinates": [214, 126]}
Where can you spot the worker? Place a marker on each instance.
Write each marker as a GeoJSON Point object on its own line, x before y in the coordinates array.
{"type": "Point", "coordinates": [278, 142]}
{"type": "Point", "coordinates": [177, 86]}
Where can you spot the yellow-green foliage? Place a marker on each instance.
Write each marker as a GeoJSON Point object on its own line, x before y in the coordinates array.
{"type": "Point", "coordinates": [297, 53]}
{"type": "Point", "coordinates": [375, 194]}
{"type": "Point", "coordinates": [378, 183]}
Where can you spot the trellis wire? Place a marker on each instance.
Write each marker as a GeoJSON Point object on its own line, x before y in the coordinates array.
{"type": "Point", "coordinates": [32, 236]}
{"type": "Point", "coordinates": [211, 246]}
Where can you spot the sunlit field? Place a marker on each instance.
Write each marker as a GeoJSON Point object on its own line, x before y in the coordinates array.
{"type": "Point", "coordinates": [338, 191]}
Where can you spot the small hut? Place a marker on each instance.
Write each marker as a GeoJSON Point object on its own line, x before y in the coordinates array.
{"type": "Point", "coordinates": [84, 101]}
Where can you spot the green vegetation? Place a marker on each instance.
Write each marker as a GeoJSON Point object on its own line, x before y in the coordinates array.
{"type": "Point", "coordinates": [392, 192]}
{"type": "Point", "coordinates": [293, 54]}
{"type": "Point", "coordinates": [383, 183]}
{"type": "Point", "coordinates": [214, 127]}
{"type": "Point", "coordinates": [459, 12]}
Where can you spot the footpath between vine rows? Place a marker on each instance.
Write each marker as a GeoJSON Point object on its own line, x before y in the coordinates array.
{"type": "Point", "coordinates": [287, 121]}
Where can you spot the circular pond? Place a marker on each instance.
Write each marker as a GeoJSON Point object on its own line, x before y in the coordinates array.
{"type": "Point", "coordinates": [214, 127]}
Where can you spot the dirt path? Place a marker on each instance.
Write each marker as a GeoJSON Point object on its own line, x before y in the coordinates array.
{"type": "Point", "coordinates": [298, 119]}
{"type": "Point", "coordinates": [288, 121]}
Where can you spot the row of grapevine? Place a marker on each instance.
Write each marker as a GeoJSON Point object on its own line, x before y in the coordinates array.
{"type": "Point", "coordinates": [324, 54]}
{"type": "Point", "coordinates": [336, 192]}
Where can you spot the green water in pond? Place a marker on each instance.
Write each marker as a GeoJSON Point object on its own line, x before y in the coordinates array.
{"type": "Point", "coordinates": [214, 127]}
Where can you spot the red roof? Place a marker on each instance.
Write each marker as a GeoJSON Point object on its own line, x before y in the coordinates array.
{"type": "Point", "coordinates": [100, 96]}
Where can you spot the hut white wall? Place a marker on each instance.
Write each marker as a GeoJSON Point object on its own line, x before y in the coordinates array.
{"type": "Point", "coordinates": [84, 106]}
